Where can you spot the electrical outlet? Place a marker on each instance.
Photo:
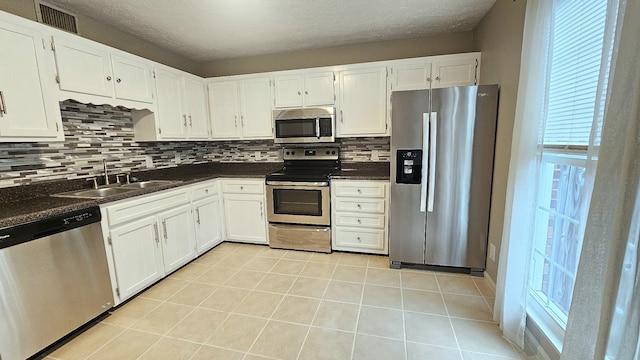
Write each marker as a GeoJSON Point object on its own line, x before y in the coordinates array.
{"type": "Point", "coordinates": [148, 160]}
{"type": "Point", "coordinates": [492, 252]}
{"type": "Point", "coordinates": [257, 155]}
{"type": "Point", "coordinates": [177, 158]}
{"type": "Point", "coordinates": [375, 155]}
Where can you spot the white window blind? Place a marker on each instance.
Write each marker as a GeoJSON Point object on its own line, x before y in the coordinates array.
{"type": "Point", "coordinates": [574, 68]}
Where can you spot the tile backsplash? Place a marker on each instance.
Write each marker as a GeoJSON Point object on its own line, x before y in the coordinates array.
{"type": "Point", "coordinates": [97, 132]}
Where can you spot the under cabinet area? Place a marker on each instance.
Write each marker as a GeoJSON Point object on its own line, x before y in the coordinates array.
{"type": "Point", "coordinates": [244, 210]}
{"type": "Point", "coordinates": [359, 215]}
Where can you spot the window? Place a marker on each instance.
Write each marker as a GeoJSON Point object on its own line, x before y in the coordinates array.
{"type": "Point", "coordinates": [577, 63]}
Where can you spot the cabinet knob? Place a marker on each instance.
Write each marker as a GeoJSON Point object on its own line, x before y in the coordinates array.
{"type": "Point", "coordinates": [118, 81]}
{"type": "Point", "coordinates": [359, 221]}
{"type": "Point", "coordinates": [438, 78]}
{"type": "Point", "coordinates": [108, 78]}
{"type": "Point", "coordinates": [359, 207]}
{"type": "Point", "coordinates": [241, 188]}
{"type": "Point", "coordinates": [359, 191]}
{"type": "Point", "coordinates": [306, 93]}
{"type": "Point", "coordinates": [299, 93]}
{"type": "Point", "coordinates": [429, 79]}
{"type": "Point", "coordinates": [358, 238]}
{"type": "Point", "coordinates": [206, 191]}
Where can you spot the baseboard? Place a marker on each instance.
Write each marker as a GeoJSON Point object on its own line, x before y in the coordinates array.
{"type": "Point", "coordinates": [490, 281]}
{"type": "Point", "coordinates": [533, 337]}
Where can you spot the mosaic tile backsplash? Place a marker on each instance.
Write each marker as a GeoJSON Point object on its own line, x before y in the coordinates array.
{"type": "Point", "coordinates": [97, 132]}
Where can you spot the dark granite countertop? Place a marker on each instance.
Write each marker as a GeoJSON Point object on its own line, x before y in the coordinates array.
{"type": "Point", "coordinates": [28, 203]}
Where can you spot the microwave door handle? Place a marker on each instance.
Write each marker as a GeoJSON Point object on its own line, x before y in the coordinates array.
{"type": "Point", "coordinates": [318, 128]}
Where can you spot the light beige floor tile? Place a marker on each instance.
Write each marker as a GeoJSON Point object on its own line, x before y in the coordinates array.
{"type": "Point", "coordinates": [228, 247]}
{"type": "Point", "coordinates": [86, 343]}
{"type": "Point", "coordinates": [164, 289]}
{"type": "Point", "coordinates": [482, 337]}
{"type": "Point", "coordinates": [245, 279]}
{"type": "Point", "coordinates": [429, 302]}
{"type": "Point", "coordinates": [419, 280]}
{"type": "Point", "coordinates": [212, 257]}
{"type": "Point", "coordinates": [170, 349]}
{"type": "Point", "coordinates": [463, 285]}
{"type": "Point", "coordinates": [237, 332]}
{"type": "Point", "coordinates": [190, 272]}
{"type": "Point", "coordinates": [297, 255]}
{"type": "Point", "coordinates": [325, 258]}
{"type": "Point", "coordinates": [128, 345]}
{"type": "Point", "coordinates": [353, 259]}
{"type": "Point", "coordinates": [250, 250]}
{"type": "Point", "coordinates": [417, 351]}
{"type": "Point", "coordinates": [162, 318]}
{"type": "Point", "coordinates": [134, 310]}
{"type": "Point", "coordinates": [193, 294]}
{"type": "Point", "coordinates": [491, 302]}
{"type": "Point", "coordinates": [468, 355]}
{"type": "Point", "coordinates": [259, 303]}
{"type": "Point", "coordinates": [429, 329]}
{"type": "Point", "coordinates": [350, 273]}
{"type": "Point", "coordinates": [337, 315]}
{"type": "Point", "coordinates": [225, 299]}
{"type": "Point", "coordinates": [212, 352]}
{"type": "Point", "coordinates": [296, 309]}
{"type": "Point", "coordinates": [216, 275]}
{"type": "Point", "coordinates": [372, 347]}
{"type": "Point", "coordinates": [280, 340]}
{"type": "Point", "coordinates": [256, 357]}
{"type": "Point", "coordinates": [378, 261]}
{"type": "Point", "coordinates": [288, 267]}
{"type": "Point", "coordinates": [484, 287]}
{"type": "Point", "coordinates": [312, 287]}
{"type": "Point", "coordinates": [385, 277]}
{"type": "Point", "coordinates": [468, 307]}
{"type": "Point", "coordinates": [384, 296]}
{"type": "Point", "coordinates": [344, 291]}
{"type": "Point", "coordinates": [261, 264]}
{"type": "Point", "coordinates": [279, 283]}
{"type": "Point", "coordinates": [381, 322]}
{"type": "Point", "coordinates": [272, 253]}
{"type": "Point", "coordinates": [199, 325]}
{"type": "Point", "coordinates": [234, 261]}
{"type": "Point", "coordinates": [318, 270]}
{"type": "Point", "coordinates": [327, 344]}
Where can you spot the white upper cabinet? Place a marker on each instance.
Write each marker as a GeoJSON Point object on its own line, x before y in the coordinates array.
{"type": "Point", "coordinates": [411, 77]}
{"type": "Point", "coordinates": [441, 71]}
{"type": "Point", "coordinates": [133, 79]}
{"type": "Point", "coordinates": [309, 89]}
{"type": "Point", "coordinates": [460, 71]}
{"type": "Point", "coordinates": [363, 103]}
{"type": "Point", "coordinates": [29, 109]}
{"type": "Point", "coordinates": [240, 109]}
{"type": "Point", "coordinates": [195, 100]}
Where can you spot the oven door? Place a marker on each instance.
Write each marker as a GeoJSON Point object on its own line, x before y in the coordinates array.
{"type": "Point", "coordinates": [298, 203]}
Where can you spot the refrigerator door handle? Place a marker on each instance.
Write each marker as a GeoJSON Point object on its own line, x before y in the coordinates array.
{"type": "Point", "coordinates": [433, 140]}
{"type": "Point", "coordinates": [425, 163]}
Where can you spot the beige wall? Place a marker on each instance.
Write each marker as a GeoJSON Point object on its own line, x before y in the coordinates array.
{"type": "Point", "coordinates": [499, 38]}
{"type": "Point", "coordinates": [107, 35]}
{"type": "Point", "coordinates": [384, 50]}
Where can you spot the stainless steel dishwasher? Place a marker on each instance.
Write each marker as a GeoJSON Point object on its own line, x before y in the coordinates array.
{"type": "Point", "coordinates": [54, 278]}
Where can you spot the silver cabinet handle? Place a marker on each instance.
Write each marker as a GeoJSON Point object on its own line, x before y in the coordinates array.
{"type": "Point", "coordinates": [318, 128]}
{"type": "Point", "coordinates": [184, 116]}
{"type": "Point", "coordinates": [157, 236]}
{"type": "Point", "coordinates": [198, 216]}
{"type": "Point", "coordinates": [164, 226]}
{"type": "Point", "coordinates": [235, 120]}
{"type": "Point", "coordinates": [3, 106]}
{"type": "Point", "coordinates": [118, 81]}
{"type": "Point", "coordinates": [341, 117]}
{"type": "Point", "coordinates": [190, 121]}
{"type": "Point", "coordinates": [108, 78]}
{"type": "Point", "coordinates": [261, 213]}
{"type": "Point", "coordinates": [242, 120]}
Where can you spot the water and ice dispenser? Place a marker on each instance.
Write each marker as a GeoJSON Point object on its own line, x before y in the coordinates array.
{"type": "Point", "coordinates": [409, 166]}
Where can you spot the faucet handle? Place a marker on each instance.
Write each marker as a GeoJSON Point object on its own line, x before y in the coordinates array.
{"type": "Point", "coordinates": [123, 175]}
{"type": "Point", "coordinates": [95, 181]}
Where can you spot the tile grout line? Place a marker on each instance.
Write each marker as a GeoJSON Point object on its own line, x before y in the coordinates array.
{"type": "Point", "coordinates": [455, 337]}
{"type": "Point", "coordinates": [355, 335]}
{"type": "Point", "coordinates": [404, 321]}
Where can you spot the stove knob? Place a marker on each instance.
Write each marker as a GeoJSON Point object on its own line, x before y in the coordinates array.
{"type": "Point", "coordinates": [333, 152]}
{"type": "Point", "coordinates": [293, 153]}
{"type": "Point", "coordinates": [327, 152]}
{"type": "Point", "coordinates": [287, 153]}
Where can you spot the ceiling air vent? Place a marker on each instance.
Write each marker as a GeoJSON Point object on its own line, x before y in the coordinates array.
{"type": "Point", "coordinates": [56, 17]}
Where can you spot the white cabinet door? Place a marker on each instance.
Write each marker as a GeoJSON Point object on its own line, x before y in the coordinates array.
{"type": "Point", "coordinates": [173, 122]}
{"type": "Point", "coordinates": [459, 72]}
{"type": "Point", "coordinates": [255, 111]}
{"type": "Point", "coordinates": [133, 79]}
{"type": "Point", "coordinates": [288, 90]}
{"type": "Point", "coordinates": [195, 100]}
{"type": "Point", "coordinates": [411, 77]}
{"type": "Point", "coordinates": [137, 255]}
{"type": "Point", "coordinates": [29, 110]}
{"type": "Point", "coordinates": [223, 106]}
{"type": "Point", "coordinates": [319, 89]}
{"type": "Point", "coordinates": [206, 214]}
{"type": "Point", "coordinates": [363, 102]}
{"type": "Point", "coordinates": [178, 240]}
{"type": "Point", "coordinates": [83, 68]}
{"type": "Point", "coordinates": [244, 218]}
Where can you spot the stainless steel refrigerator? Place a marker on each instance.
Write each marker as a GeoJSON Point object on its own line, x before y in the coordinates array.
{"type": "Point", "coordinates": [442, 151]}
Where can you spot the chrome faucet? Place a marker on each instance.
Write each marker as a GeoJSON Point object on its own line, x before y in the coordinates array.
{"type": "Point", "coordinates": [106, 174]}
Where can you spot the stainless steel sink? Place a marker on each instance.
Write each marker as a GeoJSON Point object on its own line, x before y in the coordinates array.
{"type": "Point", "coordinates": [111, 190]}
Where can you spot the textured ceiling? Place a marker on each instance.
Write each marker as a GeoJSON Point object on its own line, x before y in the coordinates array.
{"type": "Point", "coordinates": [205, 30]}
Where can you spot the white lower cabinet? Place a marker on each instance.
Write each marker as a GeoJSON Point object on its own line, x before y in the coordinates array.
{"type": "Point", "coordinates": [177, 237]}
{"type": "Point", "coordinates": [206, 215]}
{"type": "Point", "coordinates": [244, 210]}
{"type": "Point", "coordinates": [359, 216]}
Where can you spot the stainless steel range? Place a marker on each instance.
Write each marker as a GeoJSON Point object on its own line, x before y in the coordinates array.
{"type": "Point", "coordinates": [298, 199]}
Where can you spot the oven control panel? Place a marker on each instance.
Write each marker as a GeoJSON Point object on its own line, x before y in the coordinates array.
{"type": "Point", "coordinates": [316, 153]}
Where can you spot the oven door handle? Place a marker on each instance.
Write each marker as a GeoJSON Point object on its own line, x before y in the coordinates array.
{"type": "Point", "coordinates": [296, 183]}
{"type": "Point", "coordinates": [318, 128]}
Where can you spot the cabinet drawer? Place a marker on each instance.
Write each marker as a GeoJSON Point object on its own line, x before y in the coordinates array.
{"type": "Point", "coordinates": [360, 189]}
{"type": "Point", "coordinates": [205, 190]}
{"type": "Point", "coordinates": [249, 187]}
{"type": "Point", "coordinates": [360, 205]}
{"type": "Point", "coordinates": [360, 220]}
{"type": "Point", "coordinates": [139, 207]}
{"type": "Point", "coordinates": [359, 238]}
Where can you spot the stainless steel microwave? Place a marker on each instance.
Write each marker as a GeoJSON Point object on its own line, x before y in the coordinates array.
{"type": "Point", "coordinates": [305, 125]}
